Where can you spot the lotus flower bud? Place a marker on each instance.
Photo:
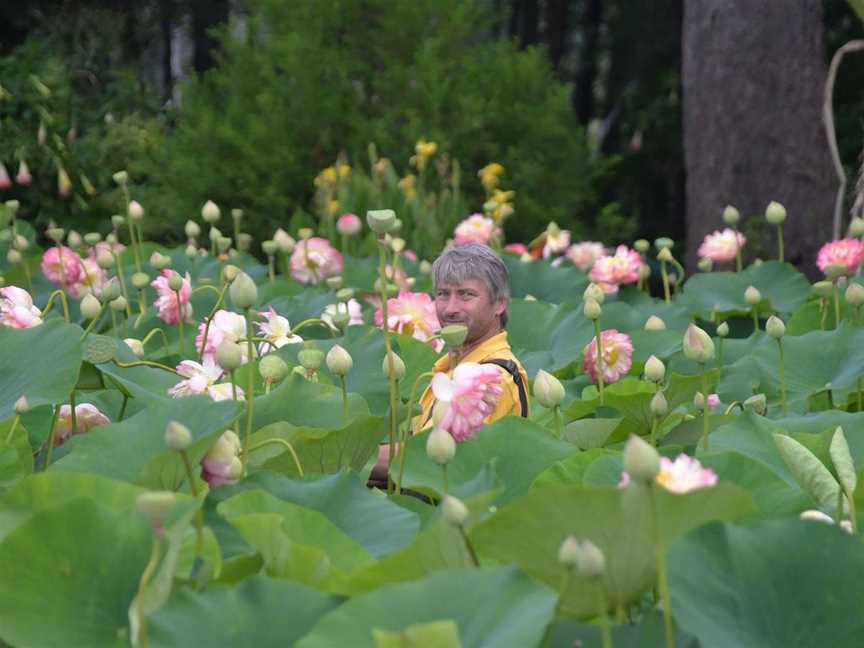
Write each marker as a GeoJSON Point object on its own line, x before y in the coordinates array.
{"type": "Point", "coordinates": [305, 233]}
{"type": "Point", "coordinates": [22, 406]}
{"type": "Point", "coordinates": [244, 242]}
{"type": "Point", "coordinates": [229, 355]}
{"type": "Point", "coordinates": [214, 234]}
{"type": "Point", "coordinates": [380, 221]}
{"type": "Point", "coordinates": [192, 229]}
{"type": "Point", "coordinates": [723, 330]}
{"type": "Point", "coordinates": [659, 406]}
{"type": "Point", "coordinates": [210, 212]}
{"type": "Point", "coordinates": [136, 346]}
{"type": "Point", "coordinates": [74, 239]}
{"type": "Point", "coordinates": [705, 264]}
{"type": "Point", "coordinates": [758, 403]}
{"type": "Point", "coordinates": [398, 366]}
{"type": "Point", "coordinates": [140, 280]}
{"type": "Point", "coordinates": [284, 241]}
{"type": "Point", "coordinates": [334, 282]}
{"type": "Point", "coordinates": [341, 319]}
{"type": "Point", "coordinates": [591, 310]}
{"type": "Point", "coordinates": [665, 255]}
{"type": "Point", "coordinates": [752, 296]}
{"type": "Point", "coordinates": [118, 304]}
{"type": "Point", "coordinates": [177, 436]}
{"type": "Point", "coordinates": [823, 288]}
{"type": "Point", "coordinates": [339, 361]}
{"type": "Point", "coordinates": [121, 177]}
{"type": "Point", "coordinates": [440, 446]}
{"type": "Point", "coordinates": [272, 368]}
{"type": "Point", "coordinates": [135, 211]}
{"type": "Point", "coordinates": [595, 292]}
{"type": "Point", "coordinates": [237, 215]}
{"type": "Point", "coordinates": [698, 345]}
{"type": "Point", "coordinates": [269, 247]}
{"type": "Point", "coordinates": [454, 511]}
{"type": "Point", "coordinates": [13, 256]}
{"type": "Point", "coordinates": [12, 206]}
{"type": "Point", "coordinates": [731, 216]}
{"type": "Point", "coordinates": [855, 294]}
{"type": "Point", "coordinates": [664, 242]}
{"type": "Point", "coordinates": [56, 234]}
{"type": "Point", "coordinates": [118, 221]}
{"type": "Point", "coordinates": [175, 281]}
{"type": "Point", "coordinates": [775, 213]}
{"type": "Point", "coordinates": [641, 246]}
{"type": "Point", "coordinates": [111, 290]}
{"type": "Point", "coordinates": [644, 271]}
{"type": "Point", "coordinates": [344, 294]}
{"type": "Point", "coordinates": [230, 272]}
{"type": "Point", "coordinates": [425, 267]}
{"type": "Point", "coordinates": [397, 245]}
{"type": "Point", "coordinates": [699, 400]}
{"type": "Point", "coordinates": [568, 552]}
{"type": "Point", "coordinates": [655, 370]}
{"type": "Point", "coordinates": [90, 307]}
{"type": "Point", "coordinates": [156, 506]}
{"type": "Point", "coordinates": [223, 244]}
{"type": "Point", "coordinates": [159, 261]}
{"type": "Point", "coordinates": [243, 291]}
{"type": "Point", "coordinates": [641, 460]}
{"type": "Point", "coordinates": [856, 227]}
{"type": "Point", "coordinates": [775, 327]}
{"type": "Point", "coordinates": [548, 390]}
{"type": "Point", "coordinates": [104, 259]}
{"type": "Point", "coordinates": [590, 561]}
{"type": "Point", "coordinates": [654, 323]}
{"type": "Point", "coordinates": [454, 335]}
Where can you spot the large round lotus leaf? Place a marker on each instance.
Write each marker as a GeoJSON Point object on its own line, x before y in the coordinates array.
{"type": "Point", "coordinates": [68, 575]}
{"type": "Point", "coordinates": [547, 336]}
{"type": "Point", "coordinates": [99, 348]}
{"type": "Point", "coordinates": [257, 613]}
{"type": "Point", "coordinates": [772, 585]}
{"type": "Point", "coordinates": [304, 403]}
{"type": "Point", "coordinates": [493, 608]}
{"type": "Point", "coordinates": [40, 363]}
{"type": "Point", "coordinates": [543, 281]}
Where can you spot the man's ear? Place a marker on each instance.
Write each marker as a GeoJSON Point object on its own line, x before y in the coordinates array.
{"type": "Point", "coordinates": [500, 306]}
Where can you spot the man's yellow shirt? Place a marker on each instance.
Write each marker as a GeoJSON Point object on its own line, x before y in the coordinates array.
{"type": "Point", "coordinates": [496, 347]}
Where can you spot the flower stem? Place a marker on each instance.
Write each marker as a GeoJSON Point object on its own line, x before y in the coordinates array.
{"type": "Point", "coordinates": [344, 399]}
{"type": "Point", "coordinates": [285, 443]}
{"type": "Point", "coordinates": [444, 477]}
{"type": "Point", "coordinates": [180, 319]}
{"type": "Point", "coordinates": [271, 269]}
{"type": "Point", "coordinates": [823, 312]}
{"type": "Point", "coordinates": [12, 429]}
{"type": "Point", "coordinates": [605, 629]}
{"type": "Point", "coordinates": [755, 319]}
{"type": "Point", "coordinates": [409, 427]}
{"type": "Point", "coordinates": [250, 388]}
{"type": "Point", "coordinates": [665, 274]}
{"type": "Point", "coordinates": [210, 319]}
{"type": "Point", "coordinates": [782, 367]}
{"type": "Point", "coordinates": [705, 408]}
{"type": "Point", "coordinates": [559, 422]}
{"type": "Point", "coordinates": [63, 301]}
{"type": "Point", "coordinates": [143, 363]}
{"type": "Point", "coordinates": [51, 434]}
{"type": "Point", "coordinates": [154, 332]}
{"type": "Point", "coordinates": [122, 279]}
{"type": "Point", "coordinates": [654, 422]}
{"type": "Point", "coordinates": [738, 264]}
{"type": "Point", "coordinates": [149, 570]}
{"type": "Point", "coordinates": [599, 337]}
{"type": "Point", "coordinates": [469, 546]}
{"type": "Point", "coordinates": [780, 243]}
{"type": "Point", "coordinates": [662, 572]}
{"type": "Point", "coordinates": [836, 305]}
{"type": "Point", "coordinates": [199, 516]}
{"type": "Point", "coordinates": [391, 378]}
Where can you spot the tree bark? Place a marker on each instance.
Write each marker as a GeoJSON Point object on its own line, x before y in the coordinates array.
{"type": "Point", "coordinates": [583, 94]}
{"type": "Point", "coordinates": [557, 19]}
{"type": "Point", "coordinates": [753, 78]}
{"type": "Point", "coordinates": [206, 14]}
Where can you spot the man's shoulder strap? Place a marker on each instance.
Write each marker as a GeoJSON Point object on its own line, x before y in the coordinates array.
{"type": "Point", "coordinates": [513, 369]}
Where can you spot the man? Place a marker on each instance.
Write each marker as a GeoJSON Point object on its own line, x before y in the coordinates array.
{"type": "Point", "coordinates": [472, 288]}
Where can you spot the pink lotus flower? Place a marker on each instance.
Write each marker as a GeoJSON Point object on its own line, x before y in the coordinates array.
{"type": "Point", "coordinates": [222, 465]}
{"type": "Point", "coordinates": [845, 252]}
{"type": "Point", "coordinates": [87, 416]}
{"type": "Point", "coordinates": [471, 395]}
{"type": "Point", "coordinates": [411, 255]}
{"type": "Point", "coordinates": [475, 229]}
{"type": "Point", "coordinates": [61, 266]}
{"type": "Point", "coordinates": [516, 248]}
{"type": "Point", "coordinates": [201, 379]}
{"type": "Point", "coordinates": [355, 313]}
{"type": "Point", "coordinates": [105, 246]}
{"type": "Point", "coordinates": [322, 261]}
{"type": "Point", "coordinates": [23, 178]}
{"type": "Point", "coordinates": [609, 272]}
{"type": "Point", "coordinates": [722, 246]}
{"type": "Point", "coordinates": [411, 314]}
{"type": "Point", "coordinates": [276, 330]}
{"type": "Point", "coordinates": [617, 356]}
{"type": "Point", "coordinates": [349, 224]}
{"type": "Point", "coordinates": [17, 309]}
{"type": "Point", "coordinates": [557, 241]}
{"type": "Point", "coordinates": [5, 180]}
{"type": "Point", "coordinates": [583, 255]}
{"type": "Point", "coordinates": [170, 309]}
{"type": "Point", "coordinates": [225, 325]}
{"type": "Point", "coordinates": [91, 280]}
{"type": "Point", "coordinates": [683, 475]}
{"type": "Point", "coordinates": [713, 401]}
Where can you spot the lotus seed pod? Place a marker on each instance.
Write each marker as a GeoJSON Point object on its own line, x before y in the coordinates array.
{"type": "Point", "coordinates": [229, 355]}
{"type": "Point", "coordinates": [758, 403]}
{"type": "Point", "coordinates": [665, 255]}
{"type": "Point", "coordinates": [731, 216]}
{"type": "Point", "coordinates": [272, 368]}
{"type": "Point", "coordinates": [568, 552]}
{"type": "Point", "coordinates": [641, 246]}
{"type": "Point", "coordinates": [90, 307]}
{"type": "Point", "coordinates": [595, 292]}
{"type": "Point", "coordinates": [823, 288]}
{"type": "Point", "coordinates": [243, 291]}
{"type": "Point", "coordinates": [177, 436]}
{"type": "Point", "coordinates": [548, 390]}
{"type": "Point", "coordinates": [344, 294]}
{"type": "Point", "coordinates": [380, 221]}
{"type": "Point", "coordinates": [659, 406]}
{"type": "Point", "coordinates": [121, 177]}
{"type": "Point", "coordinates": [655, 370]}
{"type": "Point", "coordinates": [311, 358]}
{"type": "Point", "coordinates": [140, 280]}
{"type": "Point", "coordinates": [175, 281]}
{"type": "Point", "coordinates": [22, 406]}
{"type": "Point", "coordinates": [425, 267]}
{"type": "Point", "coordinates": [92, 238]}
{"type": "Point", "coordinates": [270, 248]}
{"type": "Point", "coordinates": [56, 234]}
{"type": "Point", "coordinates": [835, 270]}
{"type": "Point", "coordinates": [135, 211]}
{"type": "Point", "coordinates": [398, 366]}
{"type": "Point", "coordinates": [156, 506]}
{"type": "Point", "coordinates": [339, 361]}
{"type": "Point", "coordinates": [856, 227]}
{"type": "Point", "coordinates": [454, 335]}
{"type": "Point", "coordinates": [723, 330]}
{"type": "Point", "coordinates": [698, 345]}
{"type": "Point", "coordinates": [855, 294]}
{"type": "Point", "coordinates": [237, 215]}
{"type": "Point", "coordinates": [454, 511]}
{"type": "Point", "coordinates": [641, 460]}
{"type": "Point", "coordinates": [752, 296]}
{"type": "Point", "coordinates": [699, 400]}
{"type": "Point", "coordinates": [284, 240]}
{"type": "Point", "coordinates": [74, 239]}
{"type": "Point", "coordinates": [210, 212]}
{"type": "Point", "coordinates": [334, 282]}
{"type": "Point", "coordinates": [118, 304]}
{"type": "Point", "coordinates": [775, 213]}
{"type": "Point", "coordinates": [440, 446]}
{"type": "Point", "coordinates": [191, 251]}
{"type": "Point", "coordinates": [305, 233]}
{"type": "Point", "coordinates": [591, 310]}
{"type": "Point", "coordinates": [590, 561]}
{"type": "Point", "coordinates": [664, 242]}
{"type": "Point", "coordinates": [654, 323]}
{"type": "Point", "coordinates": [705, 265]}
{"type": "Point", "coordinates": [775, 327]}
{"type": "Point", "coordinates": [136, 346]}
{"type": "Point", "coordinates": [159, 261]}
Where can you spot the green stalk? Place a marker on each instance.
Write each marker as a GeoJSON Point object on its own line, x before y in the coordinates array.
{"type": "Point", "coordinates": [780, 242]}
{"type": "Point", "coordinates": [210, 319]}
{"type": "Point", "coordinates": [663, 272]}
{"type": "Point", "coordinates": [654, 422]}
{"type": "Point", "coordinates": [199, 516]}
{"type": "Point", "coordinates": [290, 448]}
{"type": "Point", "coordinates": [755, 319]}
{"type": "Point", "coordinates": [605, 629]}
{"type": "Point", "coordinates": [50, 304]}
{"type": "Point", "coordinates": [344, 399]}
{"type": "Point", "coordinates": [143, 363]}
{"type": "Point", "coordinates": [122, 280]}
{"type": "Point", "coordinates": [391, 379]}
{"type": "Point", "coordinates": [51, 434]}
{"type": "Point", "coordinates": [149, 570]}
{"type": "Point", "coordinates": [836, 305]}
{"type": "Point", "coordinates": [73, 414]}
{"type": "Point", "coordinates": [154, 332]}
{"type": "Point", "coordinates": [823, 312]}
{"type": "Point", "coordinates": [469, 546]}
{"type": "Point", "coordinates": [271, 268]}
{"type": "Point", "coordinates": [114, 324]}
{"type": "Point", "coordinates": [662, 571]}
{"type": "Point", "coordinates": [250, 387]}
{"type": "Point", "coordinates": [738, 264]}
{"type": "Point", "coordinates": [559, 422]}
{"type": "Point", "coordinates": [599, 336]}
{"type": "Point", "coordinates": [12, 429]}
{"type": "Point", "coordinates": [782, 367]}
{"type": "Point", "coordinates": [180, 319]}
{"type": "Point", "coordinates": [705, 408]}
{"type": "Point", "coordinates": [409, 427]}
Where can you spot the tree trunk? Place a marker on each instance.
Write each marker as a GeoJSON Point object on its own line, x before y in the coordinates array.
{"type": "Point", "coordinates": [753, 77]}
{"type": "Point", "coordinates": [206, 14]}
{"type": "Point", "coordinates": [530, 22]}
{"type": "Point", "coordinates": [557, 16]}
{"type": "Point", "coordinates": [583, 94]}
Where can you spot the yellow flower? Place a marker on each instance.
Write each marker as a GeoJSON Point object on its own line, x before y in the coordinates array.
{"type": "Point", "coordinates": [381, 166]}
{"type": "Point", "coordinates": [423, 151]}
{"type": "Point", "coordinates": [489, 176]}
{"type": "Point", "coordinates": [407, 184]}
{"type": "Point", "coordinates": [503, 196]}
{"type": "Point", "coordinates": [327, 178]}
{"type": "Point", "coordinates": [333, 207]}
{"type": "Point", "coordinates": [344, 170]}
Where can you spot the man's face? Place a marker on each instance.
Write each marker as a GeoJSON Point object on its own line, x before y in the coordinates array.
{"type": "Point", "coordinates": [468, 303]}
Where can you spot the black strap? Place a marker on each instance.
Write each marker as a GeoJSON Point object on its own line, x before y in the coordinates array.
{"type": "Point", "coordinates": [510, 367]}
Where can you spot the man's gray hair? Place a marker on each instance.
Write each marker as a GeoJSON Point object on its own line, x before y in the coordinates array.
{"type": "Point", "coordinates": [474, 261]}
